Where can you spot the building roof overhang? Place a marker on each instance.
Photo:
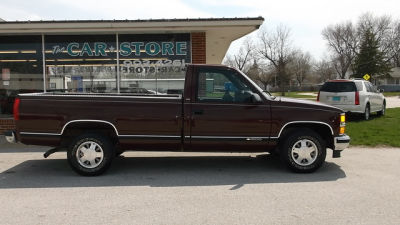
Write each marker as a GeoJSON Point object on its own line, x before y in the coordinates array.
{"type": "Point", "coordinates": [220, 32]}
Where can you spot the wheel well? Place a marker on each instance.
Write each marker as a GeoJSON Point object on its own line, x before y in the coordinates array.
{"type": "Point", "coordinates": [321, 129]}
{"type": "Point", "coordinates": [78, 128]}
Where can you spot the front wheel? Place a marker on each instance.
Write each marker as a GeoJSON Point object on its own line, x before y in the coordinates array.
{"type": "Point", "coordinates": [90, 154]}
{"type": "Point", "coordinates": [303, 151]}
{"type": "Point", "coordinates": [382, 112]}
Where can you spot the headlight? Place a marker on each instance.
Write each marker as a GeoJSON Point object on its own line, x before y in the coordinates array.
{"type": "Point", "coordinates": [343, 118]}
{"type": "Point", "coordinates": [342, 123]}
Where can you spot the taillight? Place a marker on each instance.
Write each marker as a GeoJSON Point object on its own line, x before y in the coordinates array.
{"type": "Point", "coordinates": [318, 96]}
{"type": "Point", "coordinates": [357, 98]}
{"type": "Point", "coordinates": [16, 108]}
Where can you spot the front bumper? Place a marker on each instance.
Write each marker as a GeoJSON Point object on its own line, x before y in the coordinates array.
{"type": "Point", "coordinates": [10, 136]}
{"type": "Point", "coordinates": [341, 142]}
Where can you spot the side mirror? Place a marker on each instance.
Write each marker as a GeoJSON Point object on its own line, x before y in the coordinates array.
{"type": "Point", "coordinates": [255, 98]}
{"type": "Point", "coordinates": [380, 90]}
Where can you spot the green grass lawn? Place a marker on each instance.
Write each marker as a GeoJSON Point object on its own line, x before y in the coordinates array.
{"type": "Point", "coordinates": [299, 95]}
{"type": "Point", "coordinates": [388, 94]}
{"type": "Point", "coordinates": [377, 131]}
{"type": "Point", "coordinates": [294, 95]}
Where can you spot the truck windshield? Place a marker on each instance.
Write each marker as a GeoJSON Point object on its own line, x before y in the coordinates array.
{"type": "Point", "coordinates": [265, 93]}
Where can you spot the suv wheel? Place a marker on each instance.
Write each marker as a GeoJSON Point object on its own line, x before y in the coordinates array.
{"type": "Point", "coordinates": [90, 154]}
{"type": "Point", "coordinates": [303, 151]}
{"type": "Point", "coordinates": [383, 111]}
{"type": "Point", "coordinates": [367, 112]}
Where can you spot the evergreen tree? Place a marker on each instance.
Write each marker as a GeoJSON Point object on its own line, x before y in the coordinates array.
{"type": "Point", "coordinates": [370, 60]}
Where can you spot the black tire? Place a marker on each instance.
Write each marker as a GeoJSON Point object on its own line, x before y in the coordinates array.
{"type": "Point", "coordinates": [367, 112]}
{"type": "Point", "coordinates": [98, 158]}
{"type": "Point", "coordinates": [383, 111]}
{"type": "Point", "coordinates": [314, 153]}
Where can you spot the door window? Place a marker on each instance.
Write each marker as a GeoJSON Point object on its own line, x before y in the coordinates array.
{"type": "Point", "coordinates": [370, 87]}
{"type": "Point", "coordinates": [223, 87]}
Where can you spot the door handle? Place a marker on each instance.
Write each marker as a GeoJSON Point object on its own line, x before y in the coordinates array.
{"type": "Point", "coordinates": [198, 112]}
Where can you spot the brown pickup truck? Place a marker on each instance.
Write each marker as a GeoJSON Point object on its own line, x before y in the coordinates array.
{"type": "Point", "coordinates": [205, 117]}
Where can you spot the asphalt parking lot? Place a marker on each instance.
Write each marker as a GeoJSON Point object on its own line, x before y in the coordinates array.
{"type": "Point", "coordinates": [362, 187]}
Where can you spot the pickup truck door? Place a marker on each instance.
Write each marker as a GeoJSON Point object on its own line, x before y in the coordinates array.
{"type": "Point", "coordinates": [223, 115]}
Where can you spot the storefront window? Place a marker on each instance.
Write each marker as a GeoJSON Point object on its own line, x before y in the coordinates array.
{"type": "Point", "coordinates": [153, 63]}
{"type": "Point", "coordinates": [21, 69]}
{"type": "Point", "coordinates": [81, 63]}
{"type": "Point", "coordinates": [148, 64]}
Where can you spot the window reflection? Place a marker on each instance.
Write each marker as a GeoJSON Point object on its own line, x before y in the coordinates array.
{"type": "Point", "coordinates": [81, 63]}
{"type": "Point", "coordinates": [149, 64]}
{"type": "Point", "coordinates": [21, 69]}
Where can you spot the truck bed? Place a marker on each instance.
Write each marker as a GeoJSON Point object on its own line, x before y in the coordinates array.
{"type": "Point", "coordinates": [132, 117]}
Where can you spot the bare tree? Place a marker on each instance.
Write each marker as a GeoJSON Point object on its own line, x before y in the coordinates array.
{"type": "Point", "coordinates": [261, 74]}
{"type": "Point", "coordinates": [342, 41]}
{"type": "Point", "coordinates": [379, 26]}
{"type": "Point", "coordinates": [243, 58]}
{"type": "Point", "coordinates": [276, 48]}
{"type": "Point", "coordinates": [325, 70]}
{"type": "Point", "coordinates": [394, 47]}
{"type": "Point", "coordinates": [300, 66]}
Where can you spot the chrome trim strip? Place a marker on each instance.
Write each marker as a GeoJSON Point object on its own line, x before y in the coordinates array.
{"type": "Point", "coordinates": [144, 136]}
{"type": "Point", "coordinates": [225, 137]}
{"type": "Point", "coordinates": [36, 133]}
{"type": "Point", "coordinates": [150, 136]}
{"type": "Point", "coordinates": [318, 122]}
{"type": "Point", "coordinates": [104, 96]}
{"type": "Point", "coordinates": [95, 121]}
{"type": "Point", "coordinates": [162, 136]}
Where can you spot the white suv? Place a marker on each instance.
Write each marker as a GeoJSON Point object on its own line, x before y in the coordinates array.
{"type": "Point", "coordinates": [355, 96]}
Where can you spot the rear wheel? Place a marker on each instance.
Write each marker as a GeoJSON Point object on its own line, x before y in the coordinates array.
{"type": "Point", "coordinates": [90, 154]}
{"type": "Point", "coordinates": [367, 112]}
{"type": "Point", "coordinates": [303, 151]}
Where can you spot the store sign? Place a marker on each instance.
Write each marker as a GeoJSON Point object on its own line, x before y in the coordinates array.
{"type": "Point", "coordinates": [138, 53]}
{"type": "Point", "coordinates": [125, 49]}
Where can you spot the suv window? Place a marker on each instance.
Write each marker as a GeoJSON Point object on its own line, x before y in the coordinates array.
{"type": "Point", "coordinates": [340, 86]}
{"type": "Point", "coordinates": [359, 86]}
{"type": "Point", "coordinates": [370, 87]}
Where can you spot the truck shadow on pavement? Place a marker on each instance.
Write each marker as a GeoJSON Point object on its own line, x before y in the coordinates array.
{"type": "Point", "coordinates": [165, 172]}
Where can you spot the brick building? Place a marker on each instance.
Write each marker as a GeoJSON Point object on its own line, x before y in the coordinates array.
{"type": "Point", "coordinates": [81, 56]}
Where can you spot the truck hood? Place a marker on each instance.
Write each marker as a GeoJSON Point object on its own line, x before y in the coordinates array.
{"type": "Point", "coordinates": [293, 102]}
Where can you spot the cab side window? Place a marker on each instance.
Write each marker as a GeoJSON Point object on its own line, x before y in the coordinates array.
{"type": "Point", "coordinates": [222, 86]}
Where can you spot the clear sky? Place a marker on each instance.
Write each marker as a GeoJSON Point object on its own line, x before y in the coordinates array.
{"type": "Point", "coordinates": [306, 18]}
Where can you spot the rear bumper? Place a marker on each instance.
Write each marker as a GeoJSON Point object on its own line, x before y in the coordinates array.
{"type": "Point", "coordinates": [351, 108]}
{"type": "Point", "coordinates": [341, 142]}
{"type": "Point", "coordinates": [10, 136]}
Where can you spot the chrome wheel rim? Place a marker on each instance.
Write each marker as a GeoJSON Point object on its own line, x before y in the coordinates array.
{"type": "Point", "coordinates": [89, 154]}
{"type": "Point", "coordinates": [304, 152]}
{"type": "Point", "coordinates": [367, 113]}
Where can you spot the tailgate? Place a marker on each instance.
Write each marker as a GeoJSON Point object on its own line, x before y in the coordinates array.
{"type": "Point", "coordinates": [337, 98]}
